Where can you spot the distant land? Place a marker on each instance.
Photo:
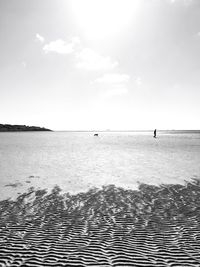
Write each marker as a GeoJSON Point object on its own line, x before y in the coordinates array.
{"type": "Point", "coordinates": [20, 128]}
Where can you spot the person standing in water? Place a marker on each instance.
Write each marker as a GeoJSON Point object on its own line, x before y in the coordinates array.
{"type": "Point", "coordinates": [154, 133]}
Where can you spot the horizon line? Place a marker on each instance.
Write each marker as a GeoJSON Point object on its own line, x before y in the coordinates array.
{"type": "Point", "coordinates": [150, 130]}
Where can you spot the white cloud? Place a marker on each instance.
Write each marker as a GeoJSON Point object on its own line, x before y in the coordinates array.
{"type": "Point", "coordinates": [86, 58]}
{"type": "Point", "coordinates": [118, 91]}
{"type": "Point", "coordinates": [61, 47]}
{"type": "Point", "coordinates": [138, 81]}
{"type": "Point", "coordinates": [113, 78]}
{"type": "Point", "coordinates": [112, 84]}
{"type": "Point", "coordinates": [24, 64]}
{"type": "Point", "coordinates": [75, 40]}
{"type": "Point", "coordinates": [40, 38]}
{"type": "Point", "coordinates": [90, 60]}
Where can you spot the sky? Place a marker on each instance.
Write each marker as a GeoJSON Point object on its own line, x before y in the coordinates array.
{"type": "Point", "coordinates": [100, 64]}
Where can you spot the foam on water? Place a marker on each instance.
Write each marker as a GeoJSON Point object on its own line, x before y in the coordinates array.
{"type": "Point", "coordinates": [77, 161]}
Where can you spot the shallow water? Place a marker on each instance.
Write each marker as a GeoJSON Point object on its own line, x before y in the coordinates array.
{"type": "Point", "coordinates": [77, 161]}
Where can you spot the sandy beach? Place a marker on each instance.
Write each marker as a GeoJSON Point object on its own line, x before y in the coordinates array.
{"type": "Point", "coordinates": [108, 226]}
{"type": "Point", "coordinates": [99, 133]}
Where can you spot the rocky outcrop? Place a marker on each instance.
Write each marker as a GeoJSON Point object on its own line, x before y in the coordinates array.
{"type": "Point", "coordinates": [20, 128]}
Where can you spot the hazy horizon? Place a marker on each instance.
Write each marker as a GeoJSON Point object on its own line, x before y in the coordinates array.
{"type": "Point", "coordinates": [100, 64]}
{"type": "Point", "coordinates": [112, 130]}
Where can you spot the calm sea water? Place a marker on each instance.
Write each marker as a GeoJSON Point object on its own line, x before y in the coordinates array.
{"type": "Point", "coordinates": [77, 161]}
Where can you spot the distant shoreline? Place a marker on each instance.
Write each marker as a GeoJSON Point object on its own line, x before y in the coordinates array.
{"type": "Point", "coordinates": [25, 128]}
{"type": "Point", "coordinates": [21, 128]}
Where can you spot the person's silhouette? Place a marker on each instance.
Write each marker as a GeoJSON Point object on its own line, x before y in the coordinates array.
{"type": "Point", "coordinates": [154, 133]}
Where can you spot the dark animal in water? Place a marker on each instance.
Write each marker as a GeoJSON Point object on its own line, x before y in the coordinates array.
{"type": "Point", "coordinates": [96, 135]}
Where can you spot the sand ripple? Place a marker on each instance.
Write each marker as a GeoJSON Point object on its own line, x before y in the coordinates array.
{"type": "Point", "coordinates": [154, 226]}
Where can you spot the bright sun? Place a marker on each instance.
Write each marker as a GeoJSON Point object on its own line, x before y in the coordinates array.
{"type": "Point", "coordinates": [101, 18]}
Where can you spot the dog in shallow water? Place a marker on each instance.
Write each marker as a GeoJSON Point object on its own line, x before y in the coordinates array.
{"type": "Point", "coordinates": [96, 134]}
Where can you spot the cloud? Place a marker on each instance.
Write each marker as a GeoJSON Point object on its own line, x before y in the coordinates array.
{"type": "Point", "coordinates": [85, 58]}
{"type": "Point", "coordinates": [40, 38]}
{"type": "Point", "coordinates": [138, 81]}
{"type": "Point", "coordinates": [117, 91]}
{"type": "Point", "coordinates": [61, 47]}
{"type": "Point", "coordinates": [24, 64]}
{"type": "Point", "coordinates": [112, 84]}
{"type": "Point", "coordinates": [113, 78]}
{"type": "Point", "coordinates": [90, 60]}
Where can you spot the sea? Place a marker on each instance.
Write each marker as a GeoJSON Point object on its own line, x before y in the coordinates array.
{"type": "Point", "coordinates": [78, 161]}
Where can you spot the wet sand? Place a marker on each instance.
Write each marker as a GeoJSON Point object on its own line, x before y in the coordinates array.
{"type": "Point", "coordinates": [111, 226]}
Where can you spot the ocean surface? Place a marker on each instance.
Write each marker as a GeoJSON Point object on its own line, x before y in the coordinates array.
{"type": "Point", "coordinates": [77, 161]}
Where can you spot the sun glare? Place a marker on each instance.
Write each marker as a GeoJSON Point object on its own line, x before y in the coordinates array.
{"type": "Point", "coordinates": [101, 18]}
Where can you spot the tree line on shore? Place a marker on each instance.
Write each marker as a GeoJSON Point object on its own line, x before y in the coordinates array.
{"type": "Point", "coordinates": [20, 128]}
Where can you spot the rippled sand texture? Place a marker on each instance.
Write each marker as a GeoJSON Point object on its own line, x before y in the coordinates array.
{"type": "Point", "coordinates": [154, 226]}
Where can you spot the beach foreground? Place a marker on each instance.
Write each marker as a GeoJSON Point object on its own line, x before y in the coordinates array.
{"type": "Point", "coordinates": [152, 226]}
